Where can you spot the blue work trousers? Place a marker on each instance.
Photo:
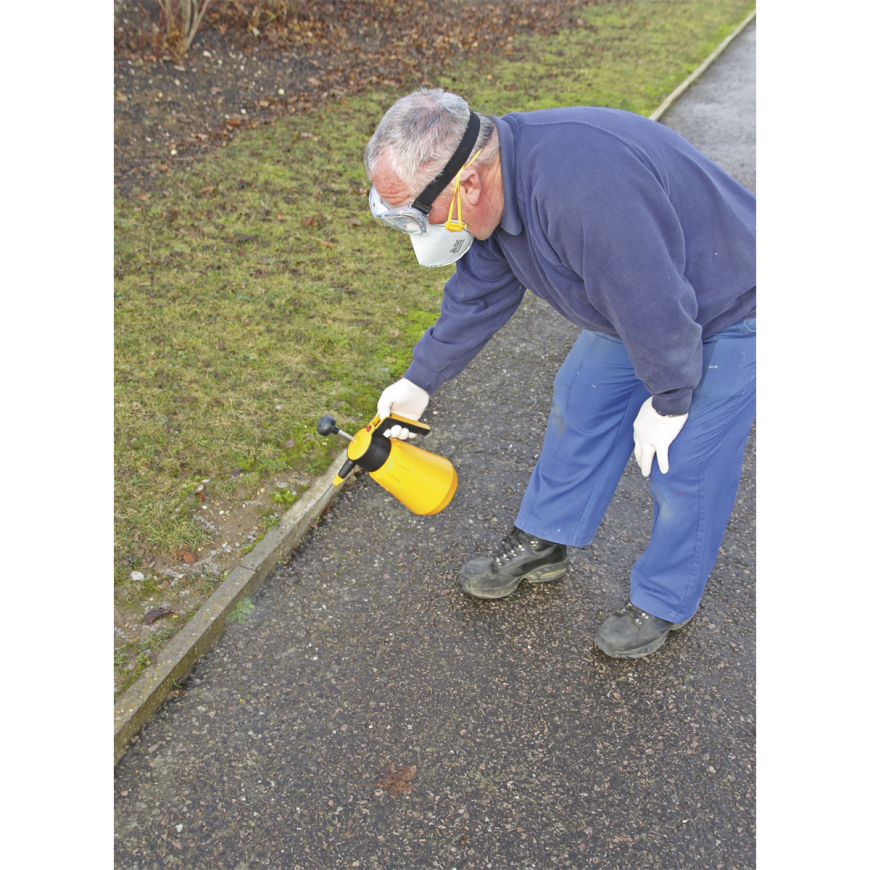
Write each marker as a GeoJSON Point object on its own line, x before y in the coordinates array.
{"type": "Point", "coordinates": [590, 438]}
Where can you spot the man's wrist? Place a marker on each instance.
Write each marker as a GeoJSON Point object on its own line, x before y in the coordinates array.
{"type": "Point", "coordinates": [673, 414]}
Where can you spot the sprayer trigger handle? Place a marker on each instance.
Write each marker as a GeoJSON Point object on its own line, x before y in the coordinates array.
{"type": "Point", "coordinates": [397, 420]}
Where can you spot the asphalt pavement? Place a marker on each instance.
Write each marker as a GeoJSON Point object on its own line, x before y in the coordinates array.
{"type": "Point", "coordinates": [368, 714]}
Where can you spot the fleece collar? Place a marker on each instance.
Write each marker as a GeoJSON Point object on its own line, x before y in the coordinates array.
{"type": "Point", "coordinates": [510, 218]}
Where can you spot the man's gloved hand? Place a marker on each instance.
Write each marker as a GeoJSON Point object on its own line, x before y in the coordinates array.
{"type": "Point", "coordinates": [653, 434]}
{"type": "Point", "coordinates": [405, 399]}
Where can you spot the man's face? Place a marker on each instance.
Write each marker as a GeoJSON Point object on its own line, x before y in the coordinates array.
{"type": "Point", "coordinates": [395, 193]}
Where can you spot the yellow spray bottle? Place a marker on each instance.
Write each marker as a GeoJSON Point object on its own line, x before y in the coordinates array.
{"type": "Point", "coordinates": [424, 482]}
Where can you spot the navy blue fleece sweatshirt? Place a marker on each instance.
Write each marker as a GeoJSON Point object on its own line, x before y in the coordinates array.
{"type": "Point", "coordinates": [624, 228]}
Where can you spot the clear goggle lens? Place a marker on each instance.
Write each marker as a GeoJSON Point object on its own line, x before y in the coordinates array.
{"type": "Point", "coordinates": [402, 218]}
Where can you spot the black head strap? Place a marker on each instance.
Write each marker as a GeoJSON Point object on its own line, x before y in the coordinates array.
{"type": "Point", "coordinates": [424, 201]}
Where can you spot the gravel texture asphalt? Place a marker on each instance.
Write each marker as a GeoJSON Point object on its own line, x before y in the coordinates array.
{"type": "Point", "coordinates": [522, 745]}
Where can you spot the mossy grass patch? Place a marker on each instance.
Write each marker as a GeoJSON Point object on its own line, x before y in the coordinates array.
{"type": "Point", "coordinates": [627, 55]}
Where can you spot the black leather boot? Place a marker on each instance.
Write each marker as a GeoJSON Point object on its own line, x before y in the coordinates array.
{"type": "Point", "coordinates": [518, 557]}
{"type": "Point", "coordinates": [631, 633]}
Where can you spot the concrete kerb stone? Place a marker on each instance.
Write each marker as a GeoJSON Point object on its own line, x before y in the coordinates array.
{"type": "Point", "coordinates": [144, 697]}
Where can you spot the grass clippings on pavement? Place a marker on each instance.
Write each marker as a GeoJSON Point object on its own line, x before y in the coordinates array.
{"type": "Point", "coordinates": [254, 292]}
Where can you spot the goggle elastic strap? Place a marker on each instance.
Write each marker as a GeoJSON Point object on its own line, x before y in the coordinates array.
{"type": "Point", "coordinates": [423, 202]}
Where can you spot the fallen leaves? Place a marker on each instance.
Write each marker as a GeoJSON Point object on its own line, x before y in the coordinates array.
{"type": "Point", "coordinates": [353, 47]}
{"type": "Point", "coordinates": [395, 781]}
{"type": "Point", "coordinates": [155, 614]}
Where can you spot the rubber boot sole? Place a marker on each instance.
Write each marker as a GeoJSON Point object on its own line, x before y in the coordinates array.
{"type": "Point", "coordinates": [544, 574]}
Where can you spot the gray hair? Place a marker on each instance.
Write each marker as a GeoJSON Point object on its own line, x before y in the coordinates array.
{"type": "Point", "coordinates": [419, 133]}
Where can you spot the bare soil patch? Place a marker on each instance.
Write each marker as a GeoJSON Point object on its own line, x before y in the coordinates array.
{"type": "Point", "coordinates": [169, 110]}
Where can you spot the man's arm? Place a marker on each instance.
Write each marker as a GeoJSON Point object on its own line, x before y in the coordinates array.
{"type": "Point", "coordinates": [479, 299]}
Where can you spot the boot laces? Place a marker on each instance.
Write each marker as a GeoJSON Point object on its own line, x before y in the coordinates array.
{"type": "Point", "coordinates": [508, 548]}
{"type": "Point", "coordinates": [635, 613]}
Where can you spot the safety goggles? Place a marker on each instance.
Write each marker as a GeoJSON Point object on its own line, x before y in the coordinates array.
{"type": "Point", "coordinates": [414, 218]}
{"type": "Point", "coordinates": [404, 218]}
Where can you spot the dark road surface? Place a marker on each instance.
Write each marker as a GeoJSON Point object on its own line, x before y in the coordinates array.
{"type": "Point", "coordinates": [532, 749]}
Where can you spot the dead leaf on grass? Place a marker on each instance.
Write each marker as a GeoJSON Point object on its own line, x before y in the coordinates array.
{"type": "Point", "coordinates": [153, 615]}
{"type": "Point", "coordinates": [397, 781]}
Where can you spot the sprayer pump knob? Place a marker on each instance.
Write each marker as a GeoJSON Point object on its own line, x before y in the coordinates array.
{"type": "Point", "coordinates": [326, 425]}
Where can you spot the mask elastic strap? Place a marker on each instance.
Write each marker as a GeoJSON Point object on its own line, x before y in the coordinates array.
{"type": "Point", "coordinates": [456, 226]}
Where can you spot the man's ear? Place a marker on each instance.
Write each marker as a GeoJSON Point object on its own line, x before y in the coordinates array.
{"type": "Point", "coordinates": [471, 184]}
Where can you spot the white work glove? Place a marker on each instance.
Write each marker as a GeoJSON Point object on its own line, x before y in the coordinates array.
{"type": "Point", "coordinates": [405, 399]}
{"type": "Point", "coordinates": [653, 434]}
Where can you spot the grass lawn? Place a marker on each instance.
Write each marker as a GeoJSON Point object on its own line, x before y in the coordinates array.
{"type": "Point", "coordinates": [258, 294]}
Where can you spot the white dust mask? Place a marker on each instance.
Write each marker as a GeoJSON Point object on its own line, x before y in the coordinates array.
{"type": "Point", "coordinates": [438, 246]}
